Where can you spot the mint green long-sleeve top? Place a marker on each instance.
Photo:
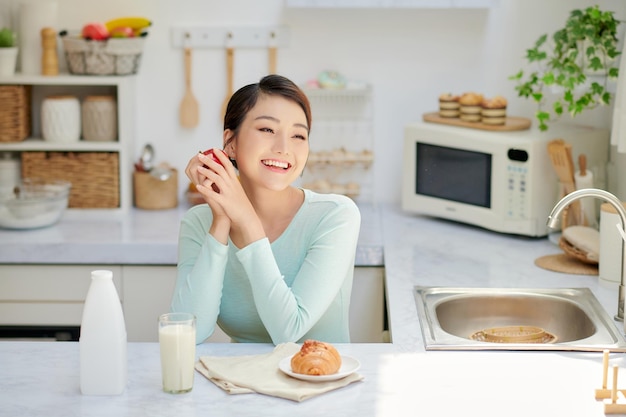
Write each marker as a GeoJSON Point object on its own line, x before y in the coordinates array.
{"type": "Point", "coordinates": [296, 288]}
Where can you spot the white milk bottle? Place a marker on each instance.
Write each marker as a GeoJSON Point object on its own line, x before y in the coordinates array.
{"type": "Point", "coordinates": [103, 363]}
{"type": "Point", "coordinates": [177, 340]}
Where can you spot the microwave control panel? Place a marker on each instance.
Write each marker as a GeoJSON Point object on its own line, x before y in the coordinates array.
{"type": "Point", "coordinates": [517, 174]}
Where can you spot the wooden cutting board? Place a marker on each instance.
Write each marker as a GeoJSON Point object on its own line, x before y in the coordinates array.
{"type": "Point", "coordinates": [512, 123]}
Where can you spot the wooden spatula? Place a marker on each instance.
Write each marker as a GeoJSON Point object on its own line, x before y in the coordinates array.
{"type": "Point", "coordinates": [560, 153]}
{"type": "Point", "coordinates": [188, 112]}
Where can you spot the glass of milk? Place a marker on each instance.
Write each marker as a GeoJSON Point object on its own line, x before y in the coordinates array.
{"type": "Point", "coordinates": [177, 341]}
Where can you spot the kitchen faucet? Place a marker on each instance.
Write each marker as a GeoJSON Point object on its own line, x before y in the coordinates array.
{"type": "Point", "coordinates": [610, 198]}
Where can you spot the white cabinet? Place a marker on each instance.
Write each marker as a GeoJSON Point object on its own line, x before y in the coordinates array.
{"type": "Point", "coordinates": [47, 295]}
{"type": "Point", "coordinates": [367, 306]}
{"type": "Point", "coordinates": [121, 87]}
{"type": "Point", "coordinates": [148, 291]}
{"type": "Point", "coordinates": [53, 295]}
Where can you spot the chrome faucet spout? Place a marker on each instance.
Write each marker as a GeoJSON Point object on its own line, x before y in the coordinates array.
{"type": "Point", "coordinates": [617, 204]}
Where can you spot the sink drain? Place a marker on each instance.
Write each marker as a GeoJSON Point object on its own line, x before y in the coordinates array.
{"type": "Point", "coordinates": [514, 334]}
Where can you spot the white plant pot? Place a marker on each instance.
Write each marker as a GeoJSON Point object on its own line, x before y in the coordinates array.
{"type": "Point", "coordinates": [8, 61]}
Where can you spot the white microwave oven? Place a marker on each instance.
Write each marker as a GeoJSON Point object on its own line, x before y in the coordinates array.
{"type": "Point", "coordinates": [498, 180]}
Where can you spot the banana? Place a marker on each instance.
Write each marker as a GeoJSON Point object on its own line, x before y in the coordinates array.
{"type": "Point", "coordinates": [135, 23]}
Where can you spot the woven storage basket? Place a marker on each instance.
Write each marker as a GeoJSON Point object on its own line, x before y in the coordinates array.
{"type": "Point", "coordinates": [14, 112]}
{"type": "Point", "coordinates": [115, 56]}
{"type": "Point", "coordinates": [152, 193]}
{"type": "Point", "coordinates": [94, 175]}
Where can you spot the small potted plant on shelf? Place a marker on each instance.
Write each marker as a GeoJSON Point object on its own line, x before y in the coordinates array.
{"type": "Point", "coordinates": [576, 65]}
{"type": "Point", "coordinates": [8, 52]}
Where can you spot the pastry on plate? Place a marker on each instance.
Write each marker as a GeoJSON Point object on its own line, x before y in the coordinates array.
{"type": "Point", "coordinates": [470, 106]}
{"type": "Point", "coordinates": [316, 358]}
{"type": "Point", "coordinates": [449, 105]}
{"type": "Point", "coordinates": [494, 111]}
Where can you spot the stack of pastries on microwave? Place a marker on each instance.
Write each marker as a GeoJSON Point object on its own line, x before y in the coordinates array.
{"type": "Point", "coordinates": [473, 107]}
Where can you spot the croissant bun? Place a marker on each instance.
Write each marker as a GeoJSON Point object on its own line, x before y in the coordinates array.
{"type": "Point", "coordinates": [316, 358]}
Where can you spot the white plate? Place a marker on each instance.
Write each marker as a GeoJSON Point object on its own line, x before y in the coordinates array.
{"type": "Point", "coordinates": [349, 365]}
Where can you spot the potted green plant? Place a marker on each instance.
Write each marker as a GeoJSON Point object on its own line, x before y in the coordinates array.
{"type": "Point", "coordinates": [578, 62]}
{"type": "Point", "coordinates": [8, 51]}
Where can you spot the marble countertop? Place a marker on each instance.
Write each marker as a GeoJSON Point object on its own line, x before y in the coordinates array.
{"type": "Point", "coordinates": [135, 237]}
{"type": "Point", "coordinates": [401, 378]}
{"type": "Point", "coordinates": [42, 378]}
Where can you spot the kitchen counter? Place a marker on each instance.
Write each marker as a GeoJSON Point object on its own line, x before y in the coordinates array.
{"type": "Point", "coordinates": [42, 378]}
{"type": "Point", "coordinates": [401, 378]}
{"type": "Point", "coordinates": [135, 237]}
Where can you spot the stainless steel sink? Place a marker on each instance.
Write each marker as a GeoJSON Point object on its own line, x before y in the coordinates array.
{"type": "Point", "coordinates": [450, 316]}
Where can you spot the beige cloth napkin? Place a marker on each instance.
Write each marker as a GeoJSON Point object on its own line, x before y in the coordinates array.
{"type": "Point", "coordinates": [260, 373]}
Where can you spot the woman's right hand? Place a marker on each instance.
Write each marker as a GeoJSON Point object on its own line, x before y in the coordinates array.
{"type": "Point", "coordinates": [192, 169]}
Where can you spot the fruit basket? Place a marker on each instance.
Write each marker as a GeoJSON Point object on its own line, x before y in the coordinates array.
{"type": "Point", "coordinates": [114, 56]}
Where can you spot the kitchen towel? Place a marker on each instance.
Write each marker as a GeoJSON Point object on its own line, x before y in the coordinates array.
{"type": "Point", "coordinates": [618, 131]}
{"type": "Point", "coordinates": [260, 374]}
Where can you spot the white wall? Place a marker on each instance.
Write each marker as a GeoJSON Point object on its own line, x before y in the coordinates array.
{"type": "Point", "coordinates": [410, 56]}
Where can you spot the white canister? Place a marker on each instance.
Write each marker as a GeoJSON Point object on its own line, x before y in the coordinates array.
{"type": "Point", "coordinates": [9, 173]}
{"type": "Point", "coordinates": [610, 266]}
{"type": "Point", "coordinates": [99, 118]}
{"type": "Point", "coordinates": [60, 119]}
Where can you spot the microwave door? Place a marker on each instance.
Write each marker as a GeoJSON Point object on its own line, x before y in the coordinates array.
{"type": "Point", "coordinates": [454, 174]}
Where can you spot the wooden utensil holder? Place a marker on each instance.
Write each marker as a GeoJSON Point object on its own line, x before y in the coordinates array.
{"type": "Point", "coordinates": [151, 193]}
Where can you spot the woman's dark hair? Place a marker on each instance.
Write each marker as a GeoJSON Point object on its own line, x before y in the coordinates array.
{"type": "Point", "coordinates": [246, 97]}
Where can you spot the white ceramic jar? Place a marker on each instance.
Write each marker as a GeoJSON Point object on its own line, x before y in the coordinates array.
{"type": "Point", "coordinates": [10, 168]}
{"type": "Point", "coordinates": [99, 118]}
{"type": "Point", "coordinates": [60, 119]}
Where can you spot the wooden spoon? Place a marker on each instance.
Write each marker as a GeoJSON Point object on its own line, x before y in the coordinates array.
{"type": "Point", "coordinates": [188, 112]}
{"type": "Point", "coordinates": [230, 52]}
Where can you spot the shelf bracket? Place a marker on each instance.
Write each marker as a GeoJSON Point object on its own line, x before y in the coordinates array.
{"type": "Point", "coordinates": [223, 36]}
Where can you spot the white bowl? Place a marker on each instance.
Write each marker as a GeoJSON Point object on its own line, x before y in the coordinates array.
{"type": "Point", "coordinates": [35, 203]}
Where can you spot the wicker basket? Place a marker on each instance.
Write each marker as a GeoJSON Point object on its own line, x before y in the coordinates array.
{"type": "Point", "coordinates": [14, 112]}
{"type": "Point", "coordinates": [94, 175]}
{"type": "Point", "coordinates": [154, 194]}
{"type": "Point", "coordinates": [115, 56]}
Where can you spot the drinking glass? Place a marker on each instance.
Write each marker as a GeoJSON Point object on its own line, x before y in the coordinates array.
{"type": "Point", "coordinates": [177, 342]}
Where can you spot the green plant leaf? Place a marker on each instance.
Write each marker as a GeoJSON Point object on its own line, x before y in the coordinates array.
{"type": "Point", "coordinates": [517, 76]}
{"type": "Point", "coordinates": [548, 78]}
{"type": "Point", "coordinates": [557, 107]}
{"type": "Point", "coordinates": [587, 41]}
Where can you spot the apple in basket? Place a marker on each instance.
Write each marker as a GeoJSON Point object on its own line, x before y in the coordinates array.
{"type": "Point", "coordinates": [95, 31]}
{"type": "Point", "coordinates": [122, 32]}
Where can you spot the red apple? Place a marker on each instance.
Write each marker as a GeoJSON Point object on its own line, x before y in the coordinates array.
{"type": "Point", "coordinates": [123, 32]}
{"type": "Point", "coordinates": [211, 153]}
{"type": "Point", "coordinates": [95, 31]}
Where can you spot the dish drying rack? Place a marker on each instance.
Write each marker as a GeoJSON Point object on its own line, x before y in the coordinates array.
{"type": "Point", "coordinates": [614, 398]}
{"type": "Point", "coordinates": [341, 154]}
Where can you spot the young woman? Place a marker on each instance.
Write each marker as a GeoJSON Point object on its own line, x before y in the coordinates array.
{"type": "Point", "coordinates": [263, 259]}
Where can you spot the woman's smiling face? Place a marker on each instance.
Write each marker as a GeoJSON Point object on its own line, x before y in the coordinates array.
{"type": "Point", "coordinates": [272, 145]}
